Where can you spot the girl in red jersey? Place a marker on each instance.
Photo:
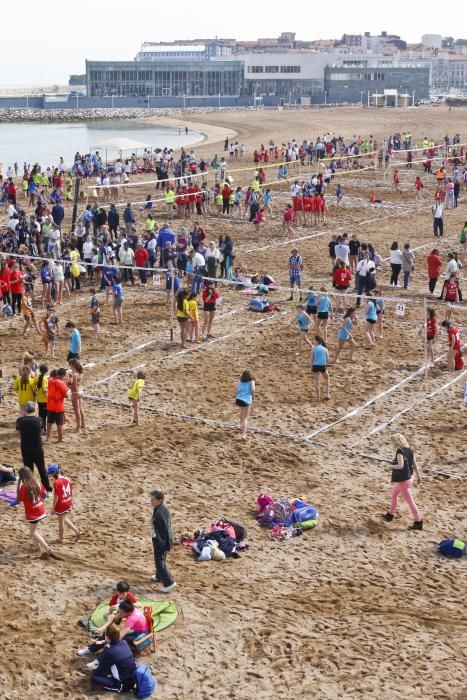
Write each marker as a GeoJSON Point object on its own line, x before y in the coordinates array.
{"type": "Point", "coordinates": [419, 187]}
{"type": "Point", "coordinates": [307, 209]}
{"type": "Point", "coordinates": [454, 345]}
{"type": "Point", "coordinates": [431, 325]}
{"type": "Point", "coordinates": [323, 208]}
{"type": "Point", "coordinates": [31, 494]}
{"type": "Point", "coordinates": [451, 294]}
{"type": "Point", "coordinates": [63, 501]}
{"type": "Point", "coordinates": [287, 221]}
{"type": "Point", "coordinates": [315, 206]}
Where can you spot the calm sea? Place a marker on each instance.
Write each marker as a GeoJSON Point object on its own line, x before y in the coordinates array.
{"type": "Point", "coordinates": [45, 143]}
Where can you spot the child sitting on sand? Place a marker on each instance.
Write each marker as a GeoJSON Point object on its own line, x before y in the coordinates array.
{"type": "Point", "coordinates": [122, 592]}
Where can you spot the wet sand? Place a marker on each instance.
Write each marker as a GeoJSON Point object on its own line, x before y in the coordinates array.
{"type": "Point", "coordinates": [353, 609]}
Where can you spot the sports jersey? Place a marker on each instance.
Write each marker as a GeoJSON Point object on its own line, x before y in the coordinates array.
{"type": "Point", "coordinates": [63, 491]}
{"type": "Point", "coordinates": [33, 510]}
{"type": "Point", "coordinates": [431, 327]}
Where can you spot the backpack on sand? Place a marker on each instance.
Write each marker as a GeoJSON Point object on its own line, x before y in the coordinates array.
{"type": "Point", "coordinates": [145, 683]}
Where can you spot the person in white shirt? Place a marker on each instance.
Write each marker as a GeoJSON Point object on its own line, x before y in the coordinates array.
{"type": "Point", "coordinates": [438, 226]}
{"type": "Point", "coordinates": [127, 259]}
{"type": "Point", "coordinates": [342, 250]}
{"type": "Point", "coordinates": [11, 210]}
{"type": "Point", "coordinates": [364, 277]}
{"type": "Point", "coordinates": [451, 267]}
{"type": "Point", "coordinates": [396, 263]}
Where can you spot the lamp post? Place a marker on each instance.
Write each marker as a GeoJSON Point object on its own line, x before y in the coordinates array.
{"type": "Point", "coordinates": [184, 101]}
{"type": "Point", "coordinates": [368, 98]}
{"type": "Point", "coordinates": [112, 101]}
{"type": "Point", "coordinates": [27, 102]}
{"type": "Point", "coordinates": [325, 97]}
{"type": "Point", "coordinates": [361, 97]}
{"type": "Point", "coordinates": [219, 100]}
{"type": "Point", "coordinates": [77, 101]}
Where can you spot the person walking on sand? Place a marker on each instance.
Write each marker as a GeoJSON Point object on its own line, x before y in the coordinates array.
{"type": "Point", "coordinates": [345, 336]}
{"type": "Point", "coordinates": [135, 393]}
{"type": "Point", "coordinates": [29, 427]}
{"type": "Point", "coordinates": [162, 540]}
{"type": "Point", "coordinates": [295, 273]}
{"type": "Point", "coordinates": [302, 323]}
{"type": "Point", "coordinates": [75, 341]}
{"type": "Point", "coordinates": [63, 501]}
{"type": "Point", "coordinates": [403, 467]}
{"type": "Point", "coordinates": [244, 399]}
{"type": "Point", "coordinates": [319, 366]}
{"type": "Point", "coordinates": [31, 494]}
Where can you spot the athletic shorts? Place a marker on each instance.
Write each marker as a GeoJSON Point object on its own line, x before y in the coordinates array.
{"type": "Point", "coordinates": [241, 403]}
{"type": "Point", "coordinates": [341, 289]}
{"type": "Point", "coordinates": [430, 337]}
{"type": "Point", "coordinates": [57, 418]}
{"type": "Point", "coordinates": [182, 319]}
{"type": "Point", "coordinates": [370, 320]}
{"type": "Point", "coordinates": [304, 330]}
{"type": "Point", "coordinates": [312, 310]}
{"type": "Point", "coordinates": [318, 368]}
{"type": "Point", "coordinates": [209, 307]}
{"type": "Point", "coordinates": [72, 356]}
{"type": "Point", "coordinates": [37, 520]}
{"type": "Point", "coordinates": [323, 315]}
{"type": "Point", "coordinates": [118, 301]}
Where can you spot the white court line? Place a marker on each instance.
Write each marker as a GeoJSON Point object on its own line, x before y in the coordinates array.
{"type": "Point", "coordinates": [371, 401]}
{"type": "Point", "coordinates": [412, 406]}
{"type": "Point", "coordinates": [201, 346]}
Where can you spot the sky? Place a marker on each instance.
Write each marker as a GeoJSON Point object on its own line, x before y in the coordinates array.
{"type": "Point", "coordinates": [115, 29]}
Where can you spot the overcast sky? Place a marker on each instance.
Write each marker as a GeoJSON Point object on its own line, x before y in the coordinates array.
{"type": "Point", "coordinates": [44, 45]}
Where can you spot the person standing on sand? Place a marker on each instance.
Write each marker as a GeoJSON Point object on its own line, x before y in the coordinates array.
{"type": "Point", "coordinates": [32, 451]}
{"type": "Point", "coordinates": [32, 495]}
{"type": "Point", "coordinates": [403, 467]}
{"type": "Point", "coordinates": [162, 540]}
{"type": "Point", "coordinates": [244, 399]}
{"type": "Point", "coordinates": [57, 391]}
{"type": "Point", "coordinates": [319, 365]}
{"type": "Point", "coordinates": [75, 379]}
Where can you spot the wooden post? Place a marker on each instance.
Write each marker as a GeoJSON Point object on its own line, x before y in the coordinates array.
{"type": "Point", "coordinates": [75, 203]}
{"type": "Point", "coordinates": [425, 343]}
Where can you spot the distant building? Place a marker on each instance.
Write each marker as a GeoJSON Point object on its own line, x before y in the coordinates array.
{"type": "Point", "coordinates": [432, 41]}
{"type": "Point", "coordinates": [358, 84]}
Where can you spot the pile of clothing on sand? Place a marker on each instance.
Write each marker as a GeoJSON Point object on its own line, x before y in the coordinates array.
{"type": "Point", "coordinates": [225, 538]}
{"type": "Point", "coordinates": [285, 517]}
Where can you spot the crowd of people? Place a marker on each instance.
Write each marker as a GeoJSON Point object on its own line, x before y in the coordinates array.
{"type": "Point", "coordinates": [41, 266]}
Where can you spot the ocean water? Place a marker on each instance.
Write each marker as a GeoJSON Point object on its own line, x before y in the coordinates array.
{"type": "Point", "coordinates": [45, 143]}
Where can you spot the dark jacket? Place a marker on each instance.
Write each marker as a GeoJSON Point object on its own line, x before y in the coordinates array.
{"type": "Point", "coordinates": [162, 528]}
{"type": "Point", "coordinates": [120, 655]}
{"type": "Point", "coordinates": [30, 430]}
{"type": "Point", "coordinates": [128, 217]}
{"type": "Point", "coordinates": [113, 218]}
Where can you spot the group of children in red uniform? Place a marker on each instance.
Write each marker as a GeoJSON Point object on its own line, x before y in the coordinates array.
{"type": "Point", "coordinates": [305, 211]}
{"type": "Point", "coordinates": [32, 495]}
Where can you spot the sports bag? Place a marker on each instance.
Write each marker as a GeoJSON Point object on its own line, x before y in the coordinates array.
{"type": "Point", "coordinates": [452, 548]}
{"type": "Point", "coordinates": [300, 515]}
{"type": "Point", "coordinates": [145, 683]}
{"type": "Point", "coordinates": [283, 512]}
{"type": "Point", "coordinates": [225, 526]}
{"type": "Point", "coordinates": [258, 305]}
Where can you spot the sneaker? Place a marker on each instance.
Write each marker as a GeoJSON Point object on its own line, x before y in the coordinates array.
{"type": "Point", "coordinates": [92, 665]}
{"type": "Point", "coordinates": [155, 578]}
{"type": "Point", "coordinates": [167, 589]}
{"type": "Point", "coordinates": [417, 525]}
{"type": "Point", "coordinates": [388, 517]}
{"type": "Point", "coordinates": [85, 651]}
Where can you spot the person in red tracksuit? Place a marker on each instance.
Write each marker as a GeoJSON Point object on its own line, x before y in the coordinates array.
{"type": "Point", "coordinates": [141, 260]}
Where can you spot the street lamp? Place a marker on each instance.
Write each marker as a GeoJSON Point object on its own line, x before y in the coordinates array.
{"type": "Point", "coordinates": [325, 97]}
{"type": "Point", "coordinates": [219, 100]}
{"type": "Point", "coordinates": [77, 100]}
{"type": "Point", "coordinates": [361, 97]}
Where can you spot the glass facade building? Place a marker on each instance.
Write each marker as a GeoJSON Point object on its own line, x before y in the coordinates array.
{"type": "Point", "coordinates": [165, 78]}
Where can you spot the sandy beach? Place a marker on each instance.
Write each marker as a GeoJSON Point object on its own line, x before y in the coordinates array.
{"type": "Point", "coordinates": [355, 609]}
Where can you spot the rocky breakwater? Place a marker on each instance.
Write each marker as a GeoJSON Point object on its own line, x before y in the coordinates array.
{"type": "Point", "coordinates": [101, 114]}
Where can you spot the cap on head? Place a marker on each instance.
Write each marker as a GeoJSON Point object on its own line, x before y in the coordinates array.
{"type": "Point", "coordinates": [53, 469]}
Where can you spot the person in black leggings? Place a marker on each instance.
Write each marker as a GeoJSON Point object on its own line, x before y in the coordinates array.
{"type": "Point", "coordinates": [396, 263]}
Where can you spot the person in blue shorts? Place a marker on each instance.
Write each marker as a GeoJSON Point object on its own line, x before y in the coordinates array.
{"type": "Point", "coordinates": [319, 366]}
{"type": "Point", "coordinates": [371, 320]}
{"type": "Point", "coordinates": [302, 321]}
{"type": "Point", "coordinates": [345, 336]}
{"type": "Point", "coordinates": [295, 273]}
{"type": "Point", "coordinates": [244, 399]}
{"type": "Point", "coordinates": [118, 295]}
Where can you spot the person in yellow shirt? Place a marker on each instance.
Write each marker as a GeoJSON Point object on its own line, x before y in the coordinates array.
{"type": "Point", "coordinates": [24, 385]}
{"type": "Point", "coordinates": [135, 393]}
{"type": "Point", "coordinates": [170, 200]}
{"type": "Point", "coordinates": [150, 224]}
{"type": "Point", "coordinates": [183, 316]}
{"type": "Point", "coordinates": [41, 383]}
{"type": "Point", "coordinates": [193, 323]}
